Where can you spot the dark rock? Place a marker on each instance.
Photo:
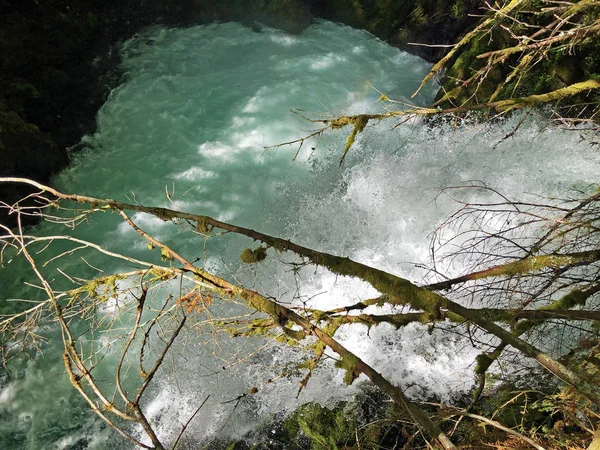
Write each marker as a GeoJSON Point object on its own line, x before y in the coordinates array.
{"type": "Point", "coordinates": [402, 23]}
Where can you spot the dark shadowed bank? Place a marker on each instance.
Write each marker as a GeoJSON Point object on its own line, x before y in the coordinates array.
{"type": "Point", "coordinates": [59, 58]}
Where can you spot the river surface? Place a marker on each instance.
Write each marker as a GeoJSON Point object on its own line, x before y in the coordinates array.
{"type": "Point", "coordinates": [190, 128]}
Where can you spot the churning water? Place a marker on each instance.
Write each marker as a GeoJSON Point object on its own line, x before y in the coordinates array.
{"type": "Point", "coordinates": [195, 111]}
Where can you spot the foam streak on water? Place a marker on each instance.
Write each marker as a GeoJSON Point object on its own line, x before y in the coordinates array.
{"type": "Point", "coordinates": [195, 110]}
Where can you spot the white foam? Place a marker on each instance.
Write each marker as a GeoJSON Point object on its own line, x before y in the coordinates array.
{"type": "Point", "coordinates": [423, 364]}
{"type": "Point", "coordinates": [216, 150]}
{"type": "Point", "coordinates": [195, 174]}
{"type": "Point", "coordinates": [283, 39]}
{"type": "Point", "coordinates": [328, 291]}
{"type": "Point", "coordinates": [67, 442]}
{"type": "Point", "coordinates": [169, 416]}
{"type": "Point", "coordinates": [145, 221]}
{"type": "Point", "coordinates": [252, 140]}
{"type": "Point", "coordinates": [252, 105]}
{"type": "Point", "coordinates": [239, 121]}
{"type": "Point", "coordinates": [326, 61]}
{"type": "Point", "coordinates": [7, 394]}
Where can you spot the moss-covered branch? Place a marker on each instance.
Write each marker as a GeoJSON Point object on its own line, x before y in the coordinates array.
{"type": "Point", "coordinates": [281, 315]}
{"type": "Point", "coordinates": [442, 63]}
{"type": "Point", "coordinates": [522, 267]}
{"type": "Point", "coordinates": [360, 121]}
{"type": "Point", "coordinates": [509, 316]}
{"type": "Point", "coordinates": [527, 49]}
{"type": "Point", "coordinates": [399, 291]}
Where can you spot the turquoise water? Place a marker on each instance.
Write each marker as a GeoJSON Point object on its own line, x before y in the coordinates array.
{"type": "Point", "coordinates": [189, 128]}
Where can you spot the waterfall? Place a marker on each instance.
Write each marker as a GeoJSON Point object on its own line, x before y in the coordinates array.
{"type": "Point", "coordinates": [192, 126]}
